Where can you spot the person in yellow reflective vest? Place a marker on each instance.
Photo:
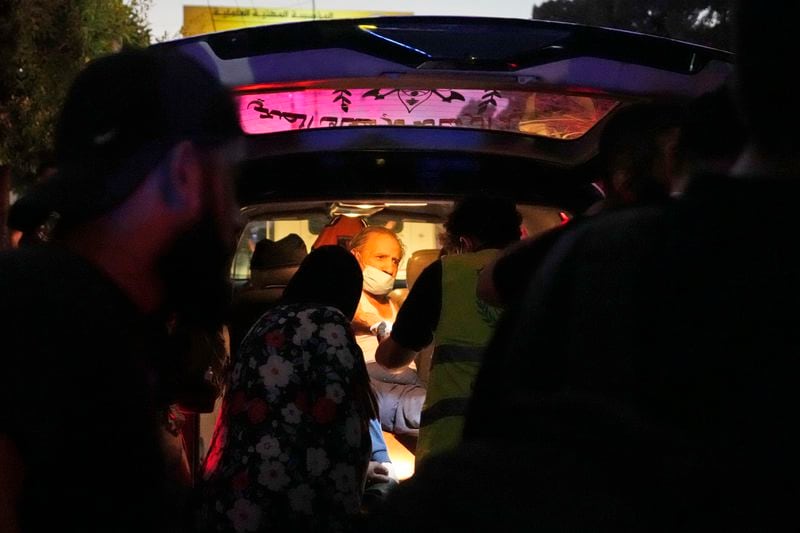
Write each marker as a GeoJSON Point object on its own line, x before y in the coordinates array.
{"type": "Point", "coordinates": [443, 308]}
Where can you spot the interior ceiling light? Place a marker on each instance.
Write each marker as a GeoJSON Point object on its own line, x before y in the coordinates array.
{"type": "Point", "coordinates": [354, 210]}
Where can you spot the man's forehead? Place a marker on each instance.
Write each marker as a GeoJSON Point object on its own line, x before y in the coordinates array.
{"type": "Point", "coordinates": [382, 241]}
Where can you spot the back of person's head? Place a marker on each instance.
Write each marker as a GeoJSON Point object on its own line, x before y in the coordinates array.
{"type": "Point", "coordinates": [362, 237]}
{"type": "Point", "coordinates": [488, 221]}
{"type": "Point", "coordinates": [121, 118]}
{"type": "Point", "coordinates": [329, 275]}
{"type": "Point", "coordinates": [711, 135]}
{"type": "Point", "coordinates": [636, 150]}
{"type": "Point", "coordinates": [766, 40]}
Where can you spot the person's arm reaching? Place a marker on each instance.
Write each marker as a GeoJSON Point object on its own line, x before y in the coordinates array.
{"type": "Point", "coordinates": [416, 321]}
{"type": "Point", "coordinates": [394, 356]}
{"type": "Point", "coordinates": [364, 320]}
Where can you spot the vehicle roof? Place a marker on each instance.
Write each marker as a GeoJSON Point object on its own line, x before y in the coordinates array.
{"type": "Point", "coordinates": [512, 46]}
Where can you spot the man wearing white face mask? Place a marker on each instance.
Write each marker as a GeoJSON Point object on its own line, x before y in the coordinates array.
{"type": "Point", "coordinates": [400, 393]}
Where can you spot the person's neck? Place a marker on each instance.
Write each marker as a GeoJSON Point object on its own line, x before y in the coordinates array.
{"type": "Point", "coordinates": [130, 267]}
{"type": "Point", "coordinates": [754, 163]}
{"type": "Point", "coordinates": [376, 298]}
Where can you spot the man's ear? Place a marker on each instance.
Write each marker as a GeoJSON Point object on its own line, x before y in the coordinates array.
{"type": "Point", "coordinates": [620, 183]}
{"type": "Point", "coordinates": [182, 180]}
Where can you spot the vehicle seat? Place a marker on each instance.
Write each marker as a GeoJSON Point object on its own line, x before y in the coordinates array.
{"type": "Point", "coordinates": [272, 266]}
{"type": "Point", "coordinates": [416, 264]}
{"type": "Point", "coordinates": [418, 261]}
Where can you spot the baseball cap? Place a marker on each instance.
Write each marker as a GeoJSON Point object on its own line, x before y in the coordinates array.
{"type": "Point", "coordinates": [121, 116]}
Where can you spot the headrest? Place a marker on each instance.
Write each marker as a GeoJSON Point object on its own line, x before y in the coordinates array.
{"type": "Point", "coordinates": [269, 254]}
{"type": "Point", "coordinates": [418, 261]}
{"type": "Point", "coordinates": [275, 262]}
{"type": "Point", "coordinates": [260, 279]}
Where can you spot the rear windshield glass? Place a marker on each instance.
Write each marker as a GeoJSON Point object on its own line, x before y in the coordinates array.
{"type": "Point", "coordinates": [554, 115]}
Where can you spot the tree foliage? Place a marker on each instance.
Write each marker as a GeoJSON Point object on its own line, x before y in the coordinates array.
{"type": "Point", "coordinates": [705, 22]}
{"type": "Point", "coordinates": [43, 45]}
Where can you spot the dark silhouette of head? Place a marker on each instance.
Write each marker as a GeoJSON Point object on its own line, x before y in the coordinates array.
{"type": "Point", "coordinates": [636, 151]}
{"type": "Point", "coordinates": [329, 275]}
{"type": "Point", "coordinates": [483, 221]}
{"type": "Point", "coordinates": [135, 125]}
{"type": "Point", "coordinates": [121, 117]}
{"type": "Point", "coordinates": [711, 135]}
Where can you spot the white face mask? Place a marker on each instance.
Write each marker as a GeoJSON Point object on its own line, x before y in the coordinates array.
{"type": "Point", "coordinates": [377, 282]}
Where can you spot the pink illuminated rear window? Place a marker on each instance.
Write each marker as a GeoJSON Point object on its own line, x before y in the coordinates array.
{"type": "Point", "coordinates": [554, 115]}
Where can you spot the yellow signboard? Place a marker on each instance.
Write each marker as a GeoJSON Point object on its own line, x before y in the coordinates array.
{"type": "Point", "coordinates": [207, 19]}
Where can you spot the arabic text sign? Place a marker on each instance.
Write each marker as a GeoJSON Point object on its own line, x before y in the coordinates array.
{"type": "Point", "coordinates": [208, 19]}
{"type": "Point", "coordinates": [551, 115]}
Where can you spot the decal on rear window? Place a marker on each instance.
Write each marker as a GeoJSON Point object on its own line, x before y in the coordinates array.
{"type": "Point", "coordinates": [554, 115]}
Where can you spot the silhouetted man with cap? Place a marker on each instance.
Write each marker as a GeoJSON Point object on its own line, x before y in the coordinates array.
{"type": "Point", "coordinates": [141, 224]}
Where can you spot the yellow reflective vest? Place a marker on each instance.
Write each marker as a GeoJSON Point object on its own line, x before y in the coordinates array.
{"type": "Point", "coordinates": [466, 324]}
